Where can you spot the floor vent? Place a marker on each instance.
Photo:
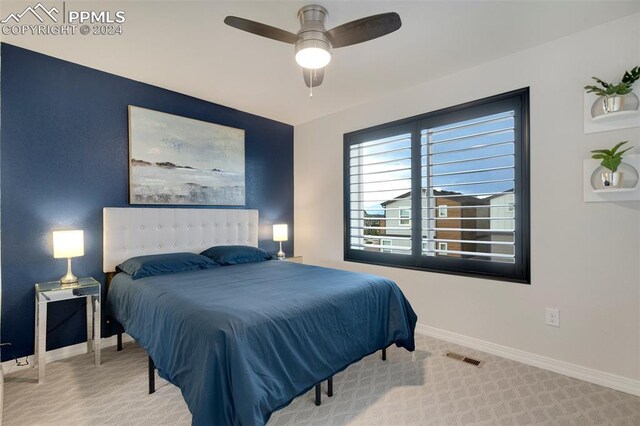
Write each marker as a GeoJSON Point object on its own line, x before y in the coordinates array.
{"type": "Point", "coordinates": [463, 358]}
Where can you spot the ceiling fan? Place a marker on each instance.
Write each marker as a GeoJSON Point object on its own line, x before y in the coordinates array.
{"type": "Point", "coordinates": [313, 43]}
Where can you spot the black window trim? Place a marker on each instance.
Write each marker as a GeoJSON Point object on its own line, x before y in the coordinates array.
{"type": "Point", "coordinates": [520, 271]}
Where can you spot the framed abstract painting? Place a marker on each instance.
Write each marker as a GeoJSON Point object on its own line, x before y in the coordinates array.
{"type": "Point", "coordinates": [178, 160]}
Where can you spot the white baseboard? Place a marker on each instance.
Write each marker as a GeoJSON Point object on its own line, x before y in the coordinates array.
{"type": "Point", "coordinates": [597, 377]}
{"type": "Point", "coordinates": [10, 366]}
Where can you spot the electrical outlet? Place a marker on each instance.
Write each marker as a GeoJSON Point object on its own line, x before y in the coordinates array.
{"type": "Point", "coordinates": [553, 317]}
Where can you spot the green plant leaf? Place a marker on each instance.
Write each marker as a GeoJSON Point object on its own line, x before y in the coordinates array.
{"type": "Point", "coordinates": [601, 82]}
{"type": "Point", "coordinates": [597, 90]}
{"type": "Point", "coordinates": [621, 88]}
{"type": "Point", "coordinates": [618, 145]}
{"type": "Point", "coordinates": [623, 151]}
{"type": "Point", "coordinates": [611, 163]}
{"type": "Point", "coordinates": [611, 158]}
{"type": "Point", "coordinates": [631, 76]}
{"type": "Point", "coordinates": [602, 151]}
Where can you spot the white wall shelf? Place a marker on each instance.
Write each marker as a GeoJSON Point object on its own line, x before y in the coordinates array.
{"type": "Point", "coordinates": [612, 190]}
{"type": "Point", "coordinates": [592, 187]}
{"type": "Point", "coordinates": [607, 122]}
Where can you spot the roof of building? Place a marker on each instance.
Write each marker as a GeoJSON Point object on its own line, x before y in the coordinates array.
{"type": "Point", "coordinates": [463, 199]}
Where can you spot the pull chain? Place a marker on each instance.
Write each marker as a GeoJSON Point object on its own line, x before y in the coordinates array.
{"type": "Point", "coordinates": [311, 83]}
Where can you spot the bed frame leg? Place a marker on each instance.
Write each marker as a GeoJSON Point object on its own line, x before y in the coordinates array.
{"type": "Point", "coordinates": [119, 341]}
{"type": "Point", "coordinates": [152, 376]}
{"type": "Point", "coordinates": [318, 395]}
{"type": "Point", "coordinates": [384, 354]}
{"type": "Point", "coordinates": [330, 387]}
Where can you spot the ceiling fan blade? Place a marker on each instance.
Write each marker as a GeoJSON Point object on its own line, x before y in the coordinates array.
{"type": "Point", "coordinates": [313, 76]}
{"type": "Point", "coordinates": [261, 29]}
{"type": "Point", "coordinates": [364, 29]}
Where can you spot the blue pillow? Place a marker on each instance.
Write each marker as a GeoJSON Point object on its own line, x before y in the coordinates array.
{"type": "Point", "coordinates": [233, 255]}
{"type": "Point", "coordinates": [158, 264]}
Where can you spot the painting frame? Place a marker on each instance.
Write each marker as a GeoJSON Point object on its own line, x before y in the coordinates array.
{"type": "Point", "coordinates": [176, 160]}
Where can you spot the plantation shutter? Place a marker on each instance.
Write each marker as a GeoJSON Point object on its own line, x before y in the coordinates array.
{"type": "Point", "coordinates": [379, 195]}
{"type": "Point", "coordinates": [468, 189]}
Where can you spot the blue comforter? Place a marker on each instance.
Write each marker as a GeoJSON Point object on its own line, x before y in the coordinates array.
{"type": "Point", "coordinates": [242, 341]}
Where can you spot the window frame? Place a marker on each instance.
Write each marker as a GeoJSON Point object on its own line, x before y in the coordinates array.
{"type": "Point", "coordinates": [442, 246]}
{"type": "Point", "coordinates": [404, 219]}
{"type": "Point", "coordinates": [520, 270]}
{"type": "Point", "coordinates": [382, 243]}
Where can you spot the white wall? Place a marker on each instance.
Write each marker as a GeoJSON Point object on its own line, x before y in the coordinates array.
{"type": "Point", "coordinates": [585, 257]}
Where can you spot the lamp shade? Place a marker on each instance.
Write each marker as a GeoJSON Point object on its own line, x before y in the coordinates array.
{"type": "Point", "coordinates": [68, 244]}
{"type": "Point", "coordinates": [313, 53]}
{"type": "Point", "coordinates": [280, 232]}
{"type": "Point", "coordinates": [313, 58]}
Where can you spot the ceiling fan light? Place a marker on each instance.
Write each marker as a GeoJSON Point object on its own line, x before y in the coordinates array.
{"type": "Point", "coordinates": [313, 57]}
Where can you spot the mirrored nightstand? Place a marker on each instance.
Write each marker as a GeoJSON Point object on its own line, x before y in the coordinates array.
{"type": "Point", "coordinates": [53, 291]}
{"type": "Point", "coordinates": [296, 259]}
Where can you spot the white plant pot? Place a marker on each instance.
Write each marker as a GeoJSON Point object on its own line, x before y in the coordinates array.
{"type": "Point", "coordinates": [611, 179]}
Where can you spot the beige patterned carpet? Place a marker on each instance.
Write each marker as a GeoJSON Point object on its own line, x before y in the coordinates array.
{"type": "Point", "coordinates": [432, 390]}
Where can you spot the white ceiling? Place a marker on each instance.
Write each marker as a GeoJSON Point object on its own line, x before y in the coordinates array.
{"type": "Point", "coordinates": [185, 47]}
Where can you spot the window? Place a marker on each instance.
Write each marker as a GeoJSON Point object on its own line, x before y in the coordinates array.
{"type": "Point", "coordinates": [405, 217]}
{"type": "Point", "coordinates": [442, 248]}
{"type": "Point", "coordinates": [448, 190]}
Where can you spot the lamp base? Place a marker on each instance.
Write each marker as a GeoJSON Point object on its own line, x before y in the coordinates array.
{"type": "Point", "coordinates": [281, 253]}
{"type": "Point", "coordinates": [68, 278]}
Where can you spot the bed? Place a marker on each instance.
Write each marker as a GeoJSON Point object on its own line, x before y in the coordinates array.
{"type": "Point", "coordinates": [242, 341]}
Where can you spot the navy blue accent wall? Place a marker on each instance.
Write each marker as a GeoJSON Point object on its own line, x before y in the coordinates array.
{"type": "Point", "coordinates": [64, 156]}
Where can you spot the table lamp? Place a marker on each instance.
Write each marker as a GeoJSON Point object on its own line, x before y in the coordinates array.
{"type": "Point", "coordinates": [280, 233]}
{"type": "Point", "coordinates": [68, 244]}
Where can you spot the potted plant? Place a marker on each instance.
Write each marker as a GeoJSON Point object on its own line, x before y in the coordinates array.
{"type": "Point", "coordinates": [611, 160]}
{"type": "Point", "coordinates": [612, 96]}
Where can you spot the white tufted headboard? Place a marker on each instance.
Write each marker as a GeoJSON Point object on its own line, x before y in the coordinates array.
{"type": "Point", "coordinates": [131, 231]}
